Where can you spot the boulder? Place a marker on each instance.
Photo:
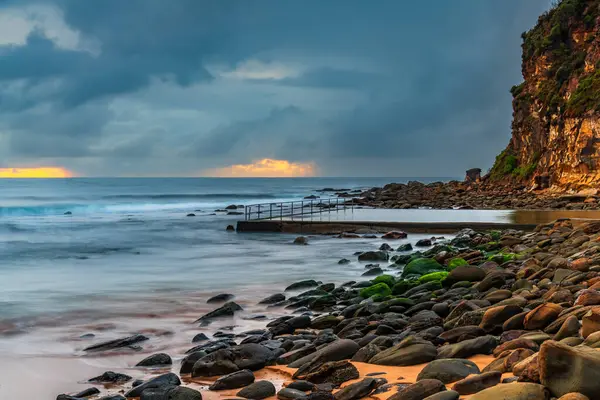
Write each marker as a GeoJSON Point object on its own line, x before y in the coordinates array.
{"type": "Point", "coordinates": [227, 310]}
{"type": "Point", "coordinates": [290, 394]}
{"type": "Point", "coordinates": [419, 390]}
{"type": "Point", "coordinates": [234, 380]}
{"type": "Point", "coordinates": [513, 391]}
{"type": "Point", "coordinates": [220, 298]}
{"type": "Point", "coordinates": [468, 348]}
{"type": "Point", "coordinates": [274, 298]}
{"type": "Point", "coordinates": [448, 370]}
{"type": "Point", "coordinates": [160, 381]}
{"type": "Point", "coordinates": [421, 266]}
{"type": "Point", "coordinates": [373, 256]}
{"type": "Point", "coordinates": [495, 317]}
{"type": "Point", "coordinates": [590, 323]}
{"type": "Point", "coordinates": [447, 395]}
{"type": "Point", "coordinates": [569, 328]}
{"type": "Point", "coordinates": [466, 273]}
{"type": "Point", "coordinates": [111, 377]}
{"type": "Point", "coordinates": [574, 396]}
{"type": "Point", "coordinates": [341, 349]}
{"type": "Point", "coordinates": [564, 369]}
{"type": "Point", "coordinates": [357, 390]}
{"type": "Point", "coordinates": [335, 372]}
{"type": "Point", "coordinates": [395, 235]}
{"type": "Point", "coordinates": [258, 390]}
{"type": "Point", "coordinates": [306, 284]}
{"type": "Point", "coordinates": [410, 351]}
{"type": "Point", "coordinates": [301, 240]}
{"type": "Point", "coordinates": [170, 393]}
{"type": "Point", "coordinates": [155, 360]}
{"type": "Point", "coordinates": [542, 316]}
{"type": "Point", "coordinates": [476, 383]}
{"type": "Point", "coordinates": [116, 343]}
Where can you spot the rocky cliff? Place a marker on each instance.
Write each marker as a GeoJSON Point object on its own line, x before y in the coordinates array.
{"type": "Point", "coordinates": [556, 110]}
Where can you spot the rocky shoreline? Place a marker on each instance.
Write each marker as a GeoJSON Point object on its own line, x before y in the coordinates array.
{"type": "Point", "coordinates": [480, 195]}
{"type": "Point", "coordinates": [486, 315]}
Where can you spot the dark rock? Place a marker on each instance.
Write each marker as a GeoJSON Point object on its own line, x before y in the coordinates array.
{"type": "Point", "coordinates": [395, 235]}
{"type": "Point", "coordinates": [419, 390]}
{"type": "Point", "coordinates": [301, 240]}
{"type": "Point", "coordinates": [462, 333]}
{"type": "Point", "coordinates": [203, 368]}
{"type": "Point", "coordinates": [410, 351]}
{"type": "Point", "coordinates": [230, 228]}
{"type": "Point", "coordinates": [275, 298]}
{"type": "Point", "coordinates": [117, 343]}
{"type": "Point", "coordinates": [564, 369]}
{"type": "Point", "coordinates": [448, 370]}
{"type": "Point", "coordinates": [468, 348]}
{"type": "Point", "coordinates": [477, 383]}
{"type": "Point", "coordinates": [405, 247]}
{"type": "Point", "coordinates": [227, 310]}
{"type": "Point", "coordinates": [303, 386]}
{"type": "Point", "coordinates": [423, 243]}
{"type": "Point", "coordinates": [200, 337]}
{"type": "Point", "coordinates": [249, 356]}
{"type": "Point", "coordinates": [220, 298]}
{"type": "Point", "coordinates": [357, 390]}
{"type": "Point", "coordinates": [447, 395]}
{"type": "Point", "coordinates": [87, 392]}
{"type": "Point", "coordinates": [302, 285]}
{"type": "Point", "coordinates": [344, 261]}
{"type": "Point", "coordinates": [187, 363]}
{"type": "Point", "coordinates": [160, 381]}
{"type": "Point", "coordinates": [339, 350]}
{"type": "Point", "coordinates": [373, 256]}
{"type": "Point", "coordinates": [171, 393]}
{"type": "Point", "coordinates": [513, 391]}
{"type": "Point", "coordinates": [290, 394]}
{"type": "Point", "coordinates": [335, 372]}
{"type": "Point", "coordinates": [111, 377]}
{"type": "Point", "coordinates": [234, 380]}
{"type": "Point", "coordinates": [191, 215]}
{"type": "Point", "coordinates": [258, 390]}
{"type": "Point", "coordinates": [373, 272]}
{"type": "Point", "coordinates": [155, 360]}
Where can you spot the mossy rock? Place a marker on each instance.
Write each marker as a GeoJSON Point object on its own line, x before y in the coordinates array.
{"type": "Point", "coordinates": [403, 286]}
{"type": "Point", "coordinates": [379, 298]}
{"type": "Point", "coordinates": [422, 266]}
{"type": "Point", "coordinates": [501, 258]}
{"type": "Point", "coordinates": [462, 284]}
{"type": "Point", "coordinates": [434, 276]}
{"type": "Point", "coordinates": [387, 279]}
{"type": "Point", "coordinates": [380, 289]}
{"type": "Point", "coordinates": [495, 235]}
{"type": "Point", "coordinates": [402, 259]}
{"type": "Point", "coordinates": [456, 262]}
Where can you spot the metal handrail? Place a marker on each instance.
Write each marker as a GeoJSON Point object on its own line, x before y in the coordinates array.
{"type": "Point", "coordinates": [291, 209]}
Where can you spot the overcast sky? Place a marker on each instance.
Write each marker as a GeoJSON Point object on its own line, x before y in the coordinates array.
{"type": "Point", "coordinates": [177, 87]}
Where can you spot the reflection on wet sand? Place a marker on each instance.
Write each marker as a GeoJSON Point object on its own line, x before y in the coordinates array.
{"type": "Point", "coordinates": [545, 216]}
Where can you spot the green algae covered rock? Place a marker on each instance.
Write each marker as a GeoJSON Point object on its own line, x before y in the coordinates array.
{"type": "Point", "coordinates": [403, 286]}
{"type": "Point", "coordinates": [379, 289]}
{"type": "Point", "coordinates": [456, 262]}
{"type": "Point", "coordinates": [387, 279]}
{"type": "Point", "coordinates": [421, 266]}
{"type": "Point", "coordinates": [434, 276]}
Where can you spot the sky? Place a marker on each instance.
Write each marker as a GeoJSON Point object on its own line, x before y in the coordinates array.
{"type": "Point", "coordinates": [212, 88]}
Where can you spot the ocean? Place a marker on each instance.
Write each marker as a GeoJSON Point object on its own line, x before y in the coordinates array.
{"type": "Point", "coordinates": [110, 257]}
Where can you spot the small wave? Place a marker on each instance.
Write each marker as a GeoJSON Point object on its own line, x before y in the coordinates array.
{"type": "Point", "coordinates": [185, 196]}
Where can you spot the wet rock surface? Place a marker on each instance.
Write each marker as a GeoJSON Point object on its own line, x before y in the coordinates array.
{"type": "Point", "coordinates": [521, 299]}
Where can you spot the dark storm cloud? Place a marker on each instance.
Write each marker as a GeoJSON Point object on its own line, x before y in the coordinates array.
{"type": "Point", "coordinates": [419, 80]}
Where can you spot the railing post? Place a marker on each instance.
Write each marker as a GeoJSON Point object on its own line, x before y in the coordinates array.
{"type": "Point", "coordinates": [270, 210]}
{"type": "Point", "coordinates": [292, 212]}
{"type": "Point", "coordinates": [311, 209]}
{"type": "Point", "coordinates": [258, 217]}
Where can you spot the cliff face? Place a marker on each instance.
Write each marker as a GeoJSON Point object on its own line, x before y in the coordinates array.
{"type": "Point", "coordinates": [556, 110]}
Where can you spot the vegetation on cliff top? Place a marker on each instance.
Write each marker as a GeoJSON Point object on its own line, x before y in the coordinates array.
{"type": "Point", "coordinates": [550, 47]}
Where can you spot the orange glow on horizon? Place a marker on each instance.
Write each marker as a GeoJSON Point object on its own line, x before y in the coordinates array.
{"type": "Point", "coordinates": [38, 172]}
{"type": "Point", "coordinates": [265, 168]}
